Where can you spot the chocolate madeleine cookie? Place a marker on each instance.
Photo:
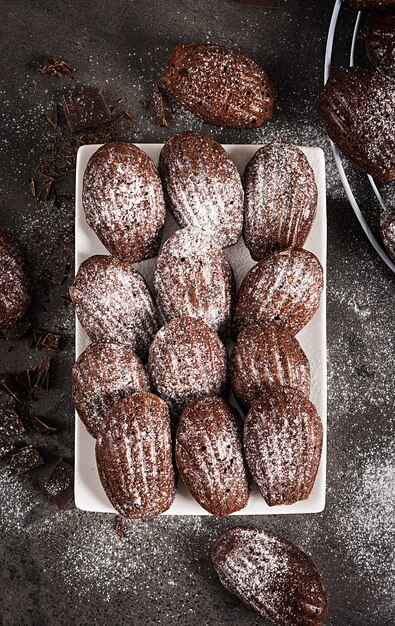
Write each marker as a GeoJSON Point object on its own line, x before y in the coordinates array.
{"type": "Point", "coordinates": [113, 302]}
{"type": "Point", "coordinates": [221, 85]}
{"type": "Point", "coordinates": [380, 44]}
{"type": "Point", "coordinates": [209, 455]}
{"type": "Point", "coordinates": [134, 456]}
{"type": "Point", "coordinates": [368, 5]}
{"type": "Point", "coordinates": [358, 107]}
{"type": "Point", "coordinates": [283, 444]}
{"type": "Point", "coordinates": [202, 186]}
{"type": "Point", "coordinates": [187, 360]}
{"type": "Point", "coordinates": [265, 355]}
{"type": "Point", "coordinates": [285, 287]}
{"type": "Point", "coordinates": [194, 278]}
{"type": "Point", "coordinates": [15, 292]}
{"type": "Point", "coordinates": [123, 201]}
{"type": "Point", "coordinates": [271, 576]}
{"type": "Point", "coordinates": [103, 374]}
{"type": "Point", "coordinates": [280, 199]}
{"type": "Point", "coordinates": [387, 226]}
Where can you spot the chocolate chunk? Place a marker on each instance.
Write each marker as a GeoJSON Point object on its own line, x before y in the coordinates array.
{"type": "Point", "coordinates": [25, 460]}
{"type": "Point", "coordinates": [55, 67]}
{"type": "Point", "coordinates": [10, 422]}
{"type": "Point", "coordinates": [59, 483]}
{"type": "Point", "coordinates": [85, 109]}
{"type": "Point", "coordinates": [162, 107]}
{"type": "Point", "coordinates": [43, 427]}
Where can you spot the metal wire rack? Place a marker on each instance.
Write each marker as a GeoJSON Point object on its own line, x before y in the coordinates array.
{"type": "Point", "coordinates": [336, 154]}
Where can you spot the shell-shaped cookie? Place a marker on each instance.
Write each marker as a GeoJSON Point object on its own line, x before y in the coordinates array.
{"type": "Point", "coordinates": [221, 85]}
{"type": "Point", "coordinates": [387, 226]}
{"type": "Point", "coordinates": [103, 374]}
{"type": "Point", "coordinates": [380, 44]}
{"type": "Point", "coordinates": [283, 445]}
{"type": "Point", "coordinates": [187, 360]}
{"type": "Point", "coordinates": [112, 301]}
{"type": "Point", "coordinates": [123, 201]}
{"type": "Point", "coordinates": [285, 287]}
{"type": "Point", "coordinates": [15, 292]}
{"type": "Point", "coordinates": [194, 278]}
{"type": "Point", "coordinates": [271, 576]}
{"type": "Point", "coordinates": [358, 107]}
{"type": "Point", "coordinates": [209, 455]}
{"type": "Point", "coordinates": [265, 355]}
{"type": "Point", "coordinates": [134, 456]}
{"type": "Point", "coordinates": [280, 199]}
{"type": "Point", "coordinates": [202, 186]}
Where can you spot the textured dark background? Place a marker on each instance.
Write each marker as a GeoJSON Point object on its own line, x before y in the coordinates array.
{"type": "Point", "coordinates": [71, 567]}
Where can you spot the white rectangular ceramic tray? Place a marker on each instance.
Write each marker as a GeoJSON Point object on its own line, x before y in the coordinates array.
{"type": "Point", "coordinates": [89, 493]}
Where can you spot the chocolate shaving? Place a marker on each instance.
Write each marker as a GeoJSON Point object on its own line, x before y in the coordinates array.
{"type": "Point", "coordinates": [44, 340]}
{"type": "Point", "coordinates": [162, 107]}
{"type": "Point", "coordinates": [55, 67]}
{"type": "Point", "coordinates": [120, 526]}
{"type": "Point", "coordinates": [129, 116]}
{"type": "Point", "coordinates": [25, 460]}
{"type": "Point", "coordinates": [43, 427]}
{"type": "Point", "coordinates": [11, 424]}
{"type": "Point", "coordinates": [35, 379]}
{"type": "Point", "coordinates": [32, 187]}
{"type": "Point", "coordinates": [44, 192]}
{"type": "Point", "coordinates": [58, 484]}
{"type": "Point", "coordinates": [11, 386]}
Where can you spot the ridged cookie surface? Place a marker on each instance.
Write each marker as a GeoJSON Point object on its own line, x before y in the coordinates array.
{"type": "Point", "coordinates": [15, 292]}
{"type": "Point", "coordinates": [187, 360]}
{"type": "Point", "coordinates": [271, 576]}
{"type": "Point", "coordinates": [221, 85]}
{"type": "Point", "coordinates": [358, 107]}
{"type": "Point", "coordinates": [103, 374]}
{"type": "Point", "coordinates": [380, 44]}
{"type": "Point", "coordinates": [280, 199]}
{"type": "Point", "coordinates": [202, 186]}
{"type": "Point", "coordinates": [265, 355]}
{"type": "Point", "coordinates": [123, 201]}
{"type": "Point", "coordinates": [283, 444]}
{"type": "Point", "coordinates": [285, 287]}
{"type": "Point", "coordinates": [193, 278]}
{"type": "Point", "coordinates": [134, 456]}
{"type": "Point", "coordinates": [113, 302]}
{"type": "Point", "coordinates": [209, 455]}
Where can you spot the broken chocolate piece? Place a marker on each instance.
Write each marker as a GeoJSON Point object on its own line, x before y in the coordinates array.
{"type": "Point", "coordinates": [162, 107]}
{"type": "Point", "coordinates": [11, 386]}
{"type": "Point", "coordinates": [85, 109]}
{"type": "Point", "coordinates": [44, 340]}
{"type": "Point", "coordinates": [55, 67]}
{"type": "Point", "coordinates": [25, 460]}
{"type": "Point", "coordinates": [59, 483]}
{"type": "Point", "coordinates": [43, 427]}
{"type": "Point", "coordinates": [10, 422]}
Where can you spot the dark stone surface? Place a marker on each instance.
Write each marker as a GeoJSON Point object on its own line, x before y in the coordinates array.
{"type": "Point", "coordinates": [69, 567]}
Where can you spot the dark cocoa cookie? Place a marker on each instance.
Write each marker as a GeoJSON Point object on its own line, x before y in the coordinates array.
{"type": "Point", "coordinates": [271, 576]}
{"type": "Point", "coordinates": [15, 292]}
{"type": "Point", "coordinates": [187, 360]}
{"type": "Point", "coordinates": [387, 226]}
{"type": "Point", "coordinates": [358, 107]}
{"type": "Point", "coordinates": [285, 287]}
{"type": "Point", "coordinates": [209, 455]}
{"type": "Point", "coordinates": [221, 85]}
{"type": "Point", "coordinates": [280, 199]}
{"type": "Point", "coordinates": [265, 355]}
{"type": "Point", "coordinates": [123, 201]}
{"type": "Point", "coordinates": [368, 5]}
{"type": "Point", "coordinates": [194, 278]}
{"type": "Point", "coordinates": [202, 186]}
{"type": "Point", "coordinates": [380, 44]}
{"type": "Point", "coordinates": [134, 456]}
{"type": "Point", "coordinates": [113, 302]}
{"type": "Point", "coordinates": [103, 374]}
{"type": "Point", "coordinates": [283, 445]}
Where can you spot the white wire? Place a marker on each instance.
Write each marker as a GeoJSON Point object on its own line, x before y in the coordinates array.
{"type": "Point", "coordinates": [336, 155]}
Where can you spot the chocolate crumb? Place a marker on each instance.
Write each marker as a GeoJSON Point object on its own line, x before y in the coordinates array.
{"type": "Point", "coordinates": [43, 427]}
{"type": "Point", "coordinates": [59, 483]}
{"type": "Point", "coordinates": [162, 107]}
{"type": "Point", "coordinates": [55, 67]}
{"type": "Point", "coordinates": [11, 424]}
{"type": "Point", "coordinates": [120, 526]}
{"type": "Point", "coordinates": [25, 460]}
